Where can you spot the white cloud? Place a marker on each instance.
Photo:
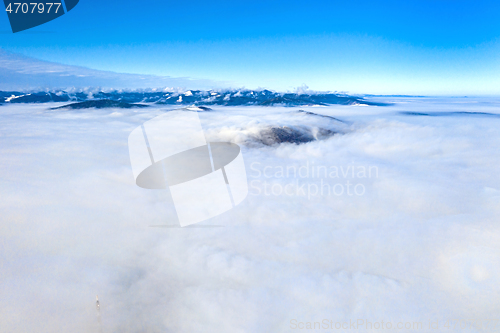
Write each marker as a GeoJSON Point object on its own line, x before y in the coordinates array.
{"type": "Point", "coordinates": [23, 73]}
{"type": "Point", "coordinates": [421, 244]}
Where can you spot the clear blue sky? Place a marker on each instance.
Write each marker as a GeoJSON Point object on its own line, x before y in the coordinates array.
{"type": "Point", "coordinates": [406, 46]}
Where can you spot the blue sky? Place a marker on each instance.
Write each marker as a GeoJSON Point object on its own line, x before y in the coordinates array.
{"type": "Point", "coordinates": [381, 47]}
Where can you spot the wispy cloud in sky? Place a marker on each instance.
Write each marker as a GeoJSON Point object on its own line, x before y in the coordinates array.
{"type": "Point", "coordinates": [388, 47]}
{"type": "Point", "coordinates": [24, 73]}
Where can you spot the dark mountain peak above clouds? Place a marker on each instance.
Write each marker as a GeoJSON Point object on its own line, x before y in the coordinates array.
{"type": "Point", "coordinates": [101, 104]}
{"type": "Point", "coordinates": [450, 114]}
{"type": "Point", "coordinates": [288, 134]}
{"type": "Point", "coordinates": [318, 115]}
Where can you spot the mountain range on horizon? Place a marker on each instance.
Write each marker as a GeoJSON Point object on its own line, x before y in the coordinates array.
{"type": "Point", "coordinates": [29, 80]}
{"type": "Point", "coordinates": [226, 97]}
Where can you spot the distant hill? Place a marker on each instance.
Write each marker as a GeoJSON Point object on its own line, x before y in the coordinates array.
{"type": "Point", "coordinates": [101, 104]}
{"type": "Point", "coordinates": [192, 97]}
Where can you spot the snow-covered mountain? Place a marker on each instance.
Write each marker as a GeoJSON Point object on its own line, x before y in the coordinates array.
{"type": "Point", "coordinates": [190, 97]}
{"type": "Point", "coordinates": [28, 80]}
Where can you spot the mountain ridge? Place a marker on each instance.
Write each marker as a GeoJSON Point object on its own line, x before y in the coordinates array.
{"type": "Point", "coordinates": [191, 97]}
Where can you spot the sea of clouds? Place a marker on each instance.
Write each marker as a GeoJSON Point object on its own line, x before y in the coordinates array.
{"type": "Point", "coordinates": [421, 243]}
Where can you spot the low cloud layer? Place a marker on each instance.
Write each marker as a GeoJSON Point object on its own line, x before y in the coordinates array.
{"type": "Point", "coordinates": [419, 244]}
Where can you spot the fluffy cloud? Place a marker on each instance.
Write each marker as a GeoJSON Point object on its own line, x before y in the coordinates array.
{"type": "Point", "coordinates": [420, 243]}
